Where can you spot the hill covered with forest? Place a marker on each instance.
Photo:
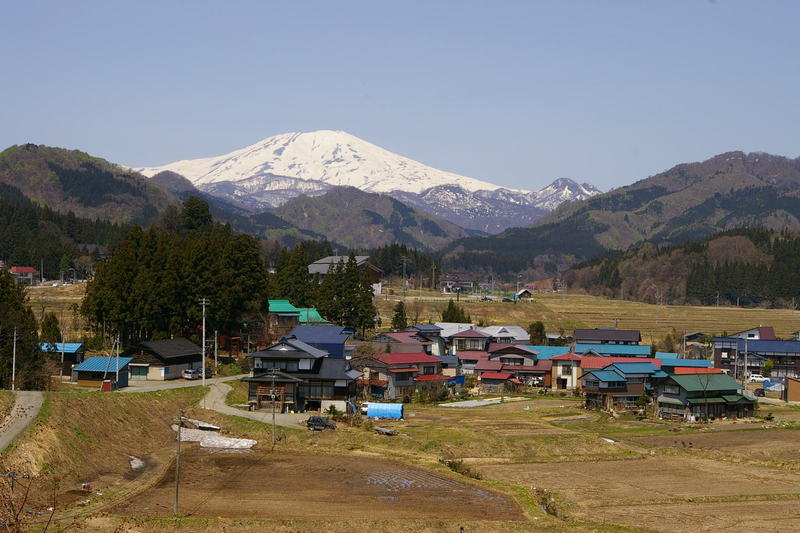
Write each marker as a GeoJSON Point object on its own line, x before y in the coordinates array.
{"type": "Point", "coordinates": [688, 202]}
{"type": "Point", "coordinates": [745, 267]}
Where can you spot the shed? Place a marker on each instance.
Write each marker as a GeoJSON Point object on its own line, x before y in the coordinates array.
{"type": "Point", "coordinates": [73, 352]}
{"type": "Point", "coordinates": [94, 370]}
{"type": "Point", "coordinates": [384, 410]}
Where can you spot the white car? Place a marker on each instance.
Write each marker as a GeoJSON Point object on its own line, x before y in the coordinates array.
{"type": "Point", "coordinates": [757, 378]}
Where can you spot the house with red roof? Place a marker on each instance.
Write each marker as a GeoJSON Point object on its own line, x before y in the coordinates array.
{"type": "Point", "coordinates": [470, 340]}
{"type": "Point", "coordinates": [567, 368]}
{"type": "Point", "coordinates": [470, 360]}
{"type": "Point", "coordinates": [523, 363]}
{"type": "Point", "coordinates": [497, 382]}
{"type": "Point", "coordinates": [23, 275]}
{"type": "Point", "coordinates": [396, 375]}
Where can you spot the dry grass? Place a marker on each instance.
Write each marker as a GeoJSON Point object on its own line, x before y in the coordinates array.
{"type": "Point", "coordinates": [63, 301]}
{"type": "Point", "coordinates": [570, 311]}
{"type": "Point", "coordinates": [6, 404]}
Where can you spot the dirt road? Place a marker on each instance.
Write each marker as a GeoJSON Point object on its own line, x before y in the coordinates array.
{"type": "Point", "coordinates": [25, 409]}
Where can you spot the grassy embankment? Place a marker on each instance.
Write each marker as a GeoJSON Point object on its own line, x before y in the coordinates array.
{"type": "Point", "coordinates": [6, 404]}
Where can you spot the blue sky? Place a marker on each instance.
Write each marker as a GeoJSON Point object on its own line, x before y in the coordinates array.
{"type": "Point", "coordinates": [517, 93]}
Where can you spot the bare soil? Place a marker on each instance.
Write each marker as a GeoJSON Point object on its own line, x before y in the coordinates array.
{"type": "Point", "coordinates": [759, 443]}
{"type": "Point", "coordinates": [665, 493]}
{"type": "Point", "coordinates": [292, 486]}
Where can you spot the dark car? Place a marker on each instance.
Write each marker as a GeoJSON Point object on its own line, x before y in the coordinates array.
{"type": "Point", "coordinates": [759, 392]}
{"type": "Point", "coordinates": [487, 299]}
{"type": "Point", "coordinates": [507, 300]}
{"type": "Point", "coordinates": [318, 423]}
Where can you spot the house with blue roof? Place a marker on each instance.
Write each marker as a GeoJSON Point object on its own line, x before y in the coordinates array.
{"type": "Point", "coordinates": [744, 356]}
{"type": "Point", "coordinates": [619, 386]}
{"type": "Point", "coordinates": [336, 340]}
{"type": "Point", "coordinates": [73, 353]}
{"type": "Point", "coordinates": [613, 350]}
{"type": "Point", "coordinates": [94, 370]}
{"type": "Point", "coordinates": [547, 352]}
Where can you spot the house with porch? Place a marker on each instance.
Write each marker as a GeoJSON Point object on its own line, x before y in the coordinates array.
{"type": "Point", "coordinates": [699, 396]}
{"type": "Point", "coordinates": [618, 386]}
{"type": "Point", "coordinates": [300, 377]}
{"type": "Point", "coordinates": [523, 363]}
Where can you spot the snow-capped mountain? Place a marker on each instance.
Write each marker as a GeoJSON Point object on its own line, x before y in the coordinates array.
{"type": "Point", "coordinates": [271, 172]}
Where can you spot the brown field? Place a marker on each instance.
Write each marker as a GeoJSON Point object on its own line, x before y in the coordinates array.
{"type": "Point", "coordinates": [292, 486]}
{"type": "Point", "coordinates": [768, 444]}
{"type": "Point", "coordinates": [634, 492]}
{"type": "Point", "coordinates": [569, 311]}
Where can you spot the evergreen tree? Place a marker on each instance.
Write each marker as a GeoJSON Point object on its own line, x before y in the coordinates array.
{"type": "Point", "coordinates": [293, 282]}
{"type": "Point", "coordinates": [399, 320]}
{"type": "Point", "coordinates": [51, 332]}
{"type": "Point", "coordinates": [195, 214]}
{"type": "Point", "coordinates": [537, 333]}
{"type": "Point", "coordinates": [455, 313]}
{"type": "Point", "coordinates": [15, 313]}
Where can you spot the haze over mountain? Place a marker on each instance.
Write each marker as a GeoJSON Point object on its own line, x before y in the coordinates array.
{"type": "Point", "coordinates": [689, 201]}
{"type": "Point", "coordinates": [272, 171]}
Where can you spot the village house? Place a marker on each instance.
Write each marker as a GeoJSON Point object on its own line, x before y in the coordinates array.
{"type": "Point", "coordinates": [396, 375]}
{"type": "Point", "coordinates": [507, 334]}
{"type": "Point", "coordinates": [697, 396]}
{"type": "Point", "coordinates": [523, 363]}
{"type": "Point", "coordinates": [469, 361]}
{"type": "Point", "coordinates": [607, 336]}
{"type": "Point", "coordinates": [24, 275]}
{"type": "Point", "coordinates": [282, 317]}
{"type": "Point", "coordinates": [300, 377]}
{"type": "Point", "coordinates": [613, 350]}
{"type": "Point", "coordinates": [164, 359]}
{"type": "Point", "coordinates": [374, 274]}
{"type": "Point", "coordinates": [523, 295]}
{"type": "Point", "coordinates": [619, 386]}
{"type": "Point", "coordinates": [432, 333]}
{"type": "Point", "coordinates": [499, 382]}
{"type": "Point", "coordinates": [470, 340]}
{"type": "Point", "coordinates": [73, 353]}
{"type": "Point", "coordinates": [107, 372]}
{"type": "Point", "coordinates": [745, 353]}
{"type": "Point", "coordinates": [402, 342]}
{"type": "Point", "coordinates": [453, 282]}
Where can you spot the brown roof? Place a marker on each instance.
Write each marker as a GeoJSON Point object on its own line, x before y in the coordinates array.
{"type": "Point", "coordinates": [607, 334]}
{"type": "Point", "coordinates": [469, 334]}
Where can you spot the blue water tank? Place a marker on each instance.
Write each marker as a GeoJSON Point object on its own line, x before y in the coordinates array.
{"type": "Point", "coordinates": [384, 410]}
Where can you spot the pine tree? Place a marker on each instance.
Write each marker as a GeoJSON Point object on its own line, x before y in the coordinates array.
{"type": "Point", "coordinates": [399, 319]}
{"type": "Point", "coordinates": [537, 333]}
{"type": "Point", "coordinates": [51, 332]}
{"type": "Point", "coordinates": [15, 313]}
{"type": "Point", "coordinates": [455, 313]}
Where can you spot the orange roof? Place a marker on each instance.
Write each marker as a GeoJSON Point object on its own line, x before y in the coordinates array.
{"type": "Point", "coordinates": [406, 358]}
{"type": "Point", "coordinates": [431, 377]}
{"type": "Point", "coordinates": [696, 370]}
{"type": "Point", "coordinates": [496, 375]}
{"type": "Point", "coordinates": [409, 369]}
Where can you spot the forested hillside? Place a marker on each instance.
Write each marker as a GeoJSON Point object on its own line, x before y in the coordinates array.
{"type": "Point", "coordinates": [688, 202]}
{"type": "Point", "coordinates": [747, 266]}
{"type": "Point", "coordinates": [31, 235]}
{"type": "Point", "coordinates": [90, 187]}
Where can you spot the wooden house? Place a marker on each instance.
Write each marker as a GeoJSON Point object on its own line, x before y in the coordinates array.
{"type": "Point", "coordinates": [164, 359]}
{"type": "Point", "coordinates": [699, 396]}
{"type": "Point", "coordinates": [95, 370]}
{"type": "Point", "coordinates": [73, 352]}
{"type": "Point", "coordinates": [400, 372]}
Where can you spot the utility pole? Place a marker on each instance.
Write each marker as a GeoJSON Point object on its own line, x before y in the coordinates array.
{"type": "Point", "coordinates": [14, 363]}
{"type": "Point", "coordinates": [177, 464]}
{"type": "Point", "coordinates": [405, 283]}
{"type": "Point", "coordinates": [61, 369]}
{"type": "Point", "coordinates": [272, 394]}
{"type": "Point", "coordinates": [433, 275]}
{"type": "Point", "coordinates": [216, 349]}
{"type": "Point", "coordinates": [204, 303]}
{"type": "Point", "coordinates": [117, 362]}
{"type": "Point", "coordinates": [744, 371]}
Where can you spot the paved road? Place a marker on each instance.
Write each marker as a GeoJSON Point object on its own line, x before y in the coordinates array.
{"type": "Point", "coordinates": [215, 400]}
{"type": "Point", "coordinates": [149, 386]}
{"type": "Point", "coordinates": [25, 409]}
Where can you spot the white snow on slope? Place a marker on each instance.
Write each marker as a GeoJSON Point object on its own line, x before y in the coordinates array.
{"type": "Point", "coordinates": [333, 157]}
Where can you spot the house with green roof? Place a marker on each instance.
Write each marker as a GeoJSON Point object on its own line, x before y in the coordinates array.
{"type": "Point", "coordinates": [283, 317]}
{"type": "Point", "coordinates": [702, 396]}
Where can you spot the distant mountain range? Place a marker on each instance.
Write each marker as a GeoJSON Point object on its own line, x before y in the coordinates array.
{"type": "Point", "coordinates": [273, 171]}
{"type": "Point", "coordinates": [687, 202]}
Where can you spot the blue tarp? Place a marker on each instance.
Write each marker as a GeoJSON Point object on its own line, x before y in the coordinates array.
{"type": "Point", "coordinates": [384, 410]}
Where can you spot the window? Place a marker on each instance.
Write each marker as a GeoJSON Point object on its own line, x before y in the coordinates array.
{"type": "Point", "coordinates": [671, 389]}
{"type": "Point", "coordinates": [566, 370]}
{"type": "Point", "coordinates": [429, 370]}
{"type": "Point", "coordinates": [511, 361]}
{"type": "Point", "coordinates": [590, 383]}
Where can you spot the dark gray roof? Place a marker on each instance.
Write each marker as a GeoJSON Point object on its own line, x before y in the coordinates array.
{"type": "Point", "coordinates": [171, 348]}
{"type": "Point", "coordinates": [289, 348]}
{"type": "Point", "coordinates": [609, 334]}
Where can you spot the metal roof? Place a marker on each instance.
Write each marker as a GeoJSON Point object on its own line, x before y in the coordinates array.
{"type": "Point", "coordinates": [319, 334]}
{"type": "Point", "coordinates": [634, 367]}
{"type": "Point", "coordinates": [69, 347]}
{"type": "Point", "coordinates": [310, 314]}
{"type": "Point", "coordinates": [667, 355]}
{"type": "Point", "coordinates": [171, 348]}
{"type": "Point", "coordinates": [283, 307]}
{"type": "Point", "coordinates": [706, 382]}
{"type": "Point", "coordinates": [613, 349]}
{"type": "Point", "coordinates": [607, 375]}
{"type": "Point", "coordinates": [689, 363]}
{"type": "Point", "coordinates": [516, 332]}
{"type": "Point", "coordinates": [547, 352]}
{"type": "Point", "coordinates": [103, 364]}
{"type": "Point", "coordinates": [289, 347]}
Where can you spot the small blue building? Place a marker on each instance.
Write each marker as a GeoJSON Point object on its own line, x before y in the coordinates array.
{"type": "Point", "coordinates": [73, 353]}
{"type": "Point", "coordinates": [94, 370]}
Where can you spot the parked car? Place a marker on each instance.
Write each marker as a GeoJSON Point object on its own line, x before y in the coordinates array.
{"type": "Point", "coordinates": [319, 423]}
{"type": "Point", "coordinates": [507, 300]}
{"type": "Point", "coordinates": [759, 392]}
{"type": "Point", "coordinates": [195, 373]}
{"type": "Point", "coordinates": [757, 378]}
{"type": "Point", "coordinates": [487, 299]}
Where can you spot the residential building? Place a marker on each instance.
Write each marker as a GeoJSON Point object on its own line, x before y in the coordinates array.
{"type": "Point", "coordinates": [619, 386]}
{"type": "Point", "coordinates": [451, 365]}
{"type": "Point", "coordinates": [607, 336]}
{"type": "Point", "coordinates": [523, 363]}
{"type": "Point", "coordinates": [23, 274]}
{"type": "Point", "coordinates": [282, 317]}
{"type": "Point", "coordinates": [432, 333]}
{"type": "Point", "coordinates": [499, 382]}
{"type": "Point", "coordinates": [164, 359]}
{"type": "Point", "coordinates": [302, 377]}
{"type": "Point", "coordinates": [448, 329]}
{"type": "Point", "coordinates": [453, 282]}
{"type": "Point", "coordinates": [507, 334]}
{"type": "Point", "coordinates": [470, 360]}
{"type": "Point", "coordinates": [791, 390]}
{"type": "Point", "coordinates": [523, 295]}
{"type": "Point", "coordinates": [543, 352]}
{"type": "Point", "coordinates": [401, 373]}
{"type": "Point", "coordinates": [697, 396]}
{"type": "Point", "coordinates": [402, 342]}
{"type": "Point", "coordinates": [469, 340]}
{"type": "Point", "coordinates": [742, 357]}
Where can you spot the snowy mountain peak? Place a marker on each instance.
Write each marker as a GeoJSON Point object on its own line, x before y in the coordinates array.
{"type": "Point", "coordinates": [332, 157]}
